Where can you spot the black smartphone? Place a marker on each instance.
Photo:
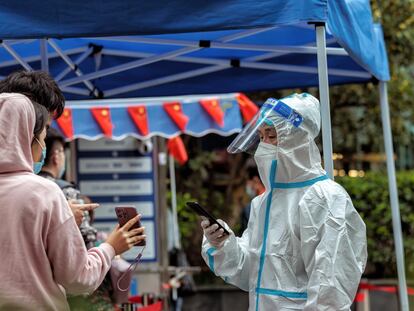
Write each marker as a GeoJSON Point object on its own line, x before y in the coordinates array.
{"type": "Point", "coordinates": [202, 212]}
{"type": "Point", "coordinates": [124, 214]}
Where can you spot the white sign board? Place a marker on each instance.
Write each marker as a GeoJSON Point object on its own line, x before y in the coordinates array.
{"type": "Point", "coordinates": [104, 144]}
{"type": "Point", "coordinates": [114, 173]}
{"type": "Point", "coordinates": [115, 165]}
{"type": "Point", "coordinates": [107, 210]}
{"type": "Point", "coordinates": [127, 187]}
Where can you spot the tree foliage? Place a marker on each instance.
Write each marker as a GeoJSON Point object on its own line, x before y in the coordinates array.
{"type": "Point", "coordinates": [371, 198]}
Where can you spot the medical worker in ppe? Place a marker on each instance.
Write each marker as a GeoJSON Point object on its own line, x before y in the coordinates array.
{"type": "Point", "coordinates": [305, 244]}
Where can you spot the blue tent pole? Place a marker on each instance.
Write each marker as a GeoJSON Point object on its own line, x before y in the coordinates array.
{"type": "Point", "coordinates": [16, 56]}
{"type": "Point", "coordinates": [43, 55]}
{"type": "Point", "coordinates": [392, 184]}
{"type": "Point", "coordinates": [324, 98]}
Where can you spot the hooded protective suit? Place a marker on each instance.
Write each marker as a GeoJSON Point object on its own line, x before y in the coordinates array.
{"type": "Point", "coordinates": [305, 244]}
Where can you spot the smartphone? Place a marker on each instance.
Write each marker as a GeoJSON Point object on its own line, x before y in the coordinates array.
{"type": "Point", "coordinates": [202, 212]}
{"type": "Point", "coordinates": [124, 214]}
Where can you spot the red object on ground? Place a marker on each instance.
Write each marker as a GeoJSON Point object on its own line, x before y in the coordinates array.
{"type": "Point", "coordinates": [157, 306]}
{"type": "Point", "coordinates": [177, 149]}
{"type": "Point", "coordinates": [247, 107]}
{"type": "Point", "coordinates": [175, 111]}
{"type": "Point", "coordinates": [212, 107]}
{"type": "Point", "coordinates": [154, 307]}
{"type": "Point", "coordinates": [360, 297]}
{"type": "Point", "coordinates": [103, 117]}
{"type": "Point", "coordinates": [65, 123]}
{"type": "Point", "coordinates": [387, 289]}
{"type": "Point", "coordinates": [135, 299]}
{"type": "Point", "coordinates": [138, 114]}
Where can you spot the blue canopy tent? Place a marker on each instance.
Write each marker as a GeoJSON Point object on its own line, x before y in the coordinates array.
{"type": "Point", "coordinates": [174, 48]}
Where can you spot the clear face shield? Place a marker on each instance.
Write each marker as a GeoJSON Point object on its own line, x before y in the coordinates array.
{"type": "Point", "coordinates": [271, 125]}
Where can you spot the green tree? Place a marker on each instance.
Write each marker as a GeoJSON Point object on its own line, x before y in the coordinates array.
{"type": "Point", "coordinates": [371, 198]}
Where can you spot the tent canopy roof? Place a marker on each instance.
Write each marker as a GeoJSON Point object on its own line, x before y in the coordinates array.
{"type": "Point", "coordinates": [192, 47]}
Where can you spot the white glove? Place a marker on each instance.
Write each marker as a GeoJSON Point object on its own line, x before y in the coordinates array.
{"type": "Point", "coordinates": [215, 237]}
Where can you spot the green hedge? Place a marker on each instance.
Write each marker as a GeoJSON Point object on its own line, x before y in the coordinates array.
{"type": "Point", "coordinates": [370, 196]}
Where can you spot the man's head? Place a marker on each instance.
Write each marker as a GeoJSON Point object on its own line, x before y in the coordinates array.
{"type": "Point", "coordinates": [39, 87]}
{"type": "Point", "coordinates": [287, 123]}
{"type": "Point", "coordinates": [254, 186]}
{"type": "Point", "coordinates": [55, 154]}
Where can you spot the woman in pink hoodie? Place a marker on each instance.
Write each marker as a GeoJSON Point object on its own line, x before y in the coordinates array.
{"type": "Point", "coordinates": [43, 255]}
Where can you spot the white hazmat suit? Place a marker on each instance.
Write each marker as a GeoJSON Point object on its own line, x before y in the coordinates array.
{"type": "Point", "coordinates": [305, 244]}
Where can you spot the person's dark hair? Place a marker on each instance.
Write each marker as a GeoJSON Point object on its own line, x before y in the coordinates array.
{"type": "Point", "coordinates": [42, 116]}
{"type": "Point", "coordinates": [252, 172]}
{"type": "Point", "coordinates": [39, 86]}
{"type": "Point", "coordinates": [52, 137]}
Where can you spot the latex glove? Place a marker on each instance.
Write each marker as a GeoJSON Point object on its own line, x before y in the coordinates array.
{"type": "Point", "coordinates": [215, 237]}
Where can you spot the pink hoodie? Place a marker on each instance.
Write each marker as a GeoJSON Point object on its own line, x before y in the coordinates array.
{"type": "Point", "coordinates": [40, 244]}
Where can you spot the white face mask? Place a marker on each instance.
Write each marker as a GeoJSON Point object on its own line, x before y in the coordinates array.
{"type": "Point", "coordinates": [264, 156]}
{"type": "Point", "coordinates": [265, 150]}
{"type": "Point", "coordinates": [250, 191]}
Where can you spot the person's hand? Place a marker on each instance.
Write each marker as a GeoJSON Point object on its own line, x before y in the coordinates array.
{"type": "Point", "coordinates": [79, 208]}
{"type": "Point", "coordinates": [215, 237]}
{"type": "Point", "coordinates": [122, 240]}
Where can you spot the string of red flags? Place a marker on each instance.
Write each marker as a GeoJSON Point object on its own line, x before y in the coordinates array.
{"type": "Point", "coordinates": [139, 115]}
{"type": "Point", "coordinates": [193, 114]}
{"type": "Point", "coordinates": [212, 107]}
{"type": "Point", "coordinates": [102, 116]}
{"type": "Point", "coordinates": [65, 123]}
{"type": "Point", "coordinates": [247, 107]}
{"type": "Point", "coordinates": [175, 111]}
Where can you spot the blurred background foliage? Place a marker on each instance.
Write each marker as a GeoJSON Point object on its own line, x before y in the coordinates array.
{"type": "Point", "coordinates": [371, 199]}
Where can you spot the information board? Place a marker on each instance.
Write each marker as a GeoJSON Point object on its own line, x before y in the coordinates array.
{"type": "Point", "coordinates": [114, 173]}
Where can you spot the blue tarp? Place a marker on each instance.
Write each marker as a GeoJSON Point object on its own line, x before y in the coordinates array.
{"type": "Point", "coordinates": [349, 24]}
{"type": "Point", "coordinates": [80, 18]}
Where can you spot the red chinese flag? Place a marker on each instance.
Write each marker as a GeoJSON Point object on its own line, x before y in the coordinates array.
{"type": "Point", "coordinates": [360, 297]}
{"type": "Point", "coordinates": [103, 117]}
{"type": "Point", "coordinates": [177, 149]}
{"type": "Point", "coordinates": [247, 107]}
{"type": "Point", "coordinates": [175, 111]}
{"type": "Point", "coordinates": [138, 114]}
{"type": "Point", "coordinates": [65, 123]}
{"type": "Point", "coordinates": [213, 108]}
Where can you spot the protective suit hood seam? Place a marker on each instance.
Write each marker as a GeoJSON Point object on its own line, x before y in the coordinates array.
{"type": "Point", "coordinates": [302, 184]}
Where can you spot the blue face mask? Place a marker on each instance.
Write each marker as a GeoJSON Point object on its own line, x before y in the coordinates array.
{"type": "Point", "coordinates": [37, 166]}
